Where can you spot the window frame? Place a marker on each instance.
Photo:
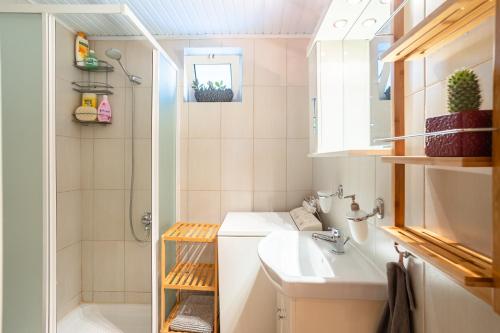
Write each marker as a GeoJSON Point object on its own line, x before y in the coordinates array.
{"type": "Point", "coordinates": [233, 60]}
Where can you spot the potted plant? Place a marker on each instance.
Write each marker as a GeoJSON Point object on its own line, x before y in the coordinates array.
{"type": "Point", "coordinates": [464, 100]}
{"type": "Point", "coordinates": [212, 92]}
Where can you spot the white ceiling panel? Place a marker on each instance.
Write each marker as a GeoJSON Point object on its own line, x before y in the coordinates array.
{"type": "Point", "coordinates": [210, 17]}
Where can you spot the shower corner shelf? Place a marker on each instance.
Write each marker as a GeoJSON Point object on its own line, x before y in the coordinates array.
{"type": "Point", "coordinates": [185, 275]}
{"type": "Point", "coordinates": [91, 122]}
{"type": "Point", "coordinates": [102, 66]}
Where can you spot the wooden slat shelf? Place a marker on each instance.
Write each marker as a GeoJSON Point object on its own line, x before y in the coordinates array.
{"type": "Point", "coordinates": [450, 20]}
{"type": "Point", "coordinates": [191, 276]}
{"type": "Point", "coordinates": [168, 321]}
{"type": "Point", "coordinates": [192, 232]}
{"type": "Point", "coordinates": [468, 162]}
{"type": "Point", "coordinates": [468, 268]}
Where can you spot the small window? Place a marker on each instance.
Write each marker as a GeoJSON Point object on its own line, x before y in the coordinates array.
{"type": "Point", "coordinates": [212, 74]}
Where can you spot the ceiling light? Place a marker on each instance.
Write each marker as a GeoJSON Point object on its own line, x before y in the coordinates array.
{"type": "Point", "coordinates": [369, 22]}
{"type": "Point", "coordinates": [339, 24]}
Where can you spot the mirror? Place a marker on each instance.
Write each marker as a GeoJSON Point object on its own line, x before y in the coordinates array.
{"type": "Point", "coordinates": [355, 87]}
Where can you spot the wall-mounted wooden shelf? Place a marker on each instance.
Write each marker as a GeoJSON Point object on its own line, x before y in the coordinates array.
{"type": "Point", "coordinates": [449, 21]}
{"type": "Point", "coordinates": [468, 162]}
{"type": "Point", "coordinates": [468, 268]}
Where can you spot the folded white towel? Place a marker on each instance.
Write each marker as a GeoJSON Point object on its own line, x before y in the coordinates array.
{"type": "Point", "coordinates": [195, 315]}
{"type": "Point", "coordinates": [304, 220]}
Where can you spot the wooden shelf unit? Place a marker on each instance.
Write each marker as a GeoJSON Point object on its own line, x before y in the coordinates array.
{"type": "Point", "coordinates": [449, 21]}
{"type": "Point", "coordinates": [467, 267]}
{"type": "Point", "coordinates": [466, 162]}
{"type": "Point", "coordinates": [477, 273]}
{"type": "Point", "coordinates": [192, 276]}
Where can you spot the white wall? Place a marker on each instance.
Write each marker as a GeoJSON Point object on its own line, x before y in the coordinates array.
{"type": "Point", "coordinates": [250, 155]}
{"type": "Point", "coordinates": [454, 202]}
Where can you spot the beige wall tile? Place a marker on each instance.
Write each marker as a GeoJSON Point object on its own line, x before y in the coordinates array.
{"type": "Point", "coordinates": [449, 211]}
{"type": "Point", "coordinates": [269, 112]}
{"type": "Point", "coordinates": [117, 78]}
{"type": "Point", "coordinates": [296, 62]}
{"type": "Point", "coordinates": [237, 118]}
{"type": "Point", "coordinates": [137, 298]}
{"type": "Point", "coordinates": [415, 122]}
{"type": "Point", "coordinates": [297, 112]}
{"type": "Point", "coordinates": [414, 75]}
{"type": "Point", "coordinates": [141, 205]}
{"type": "Point", "coordinates": [236, 201]}
{"type": "Point", "coordinates": [298, 166]}
{"type": "Point", "coordinates": [269, 201]}
{"type": "Point", "coordinates": [183, 165]}
{"type": "Point", "coordinates": [142, 172]}
{"type": "Point", "coordinates": [294, 198]}
{"type": "Point", "coordinates": [87, 164]}
{"type": "Point", "coordinates": [87, 266]}
{"type": "Point", "coordinates": [206, 153]}
{"type": "Point", "coordinates": [109, 297]}
{"type": "Point", "coordinates": [109, 159]}
{"type": "Point", "coordinates": [175, 49]}
{"type": "Point", "coordinates": [247, 45]}
{"type": "Point", "coordinates": [67, 100]}
{"type": "Point", "coordinates": [69, 229]}
{"type": "Point", "coordinates": [204, 206]}
{"type": "Point", "coordinates": [269, 165]}
{"type": "Point", "coordinates": [141, 115]}
{"type": "Point", "coordinates": [204, 120]}
{"type": "Point", "coordinates": [68, 163]}
{"type": "Point", "coordinates": [270, 62]}
{"type": "Point", "coordinates": [87, 214]}
{"type": "Point", "coordinates": [414, 195]}
{"type": "Point", "coordinates": [450, 308]}
{"type": "Point", "coordinates": [237, 165]}
{"type": "Point", "coordinates": [205, 42]}
{"type": "Point", "coordinates": [139, 60]}
{"type": "Point", "coordinates": [108, 215]}
{"type": "Point", "coordinates": [109, 274]}
{"type": "Point", "coordinates": [68, 277]}
{"type": "Point", "coordinates": [137, 266]}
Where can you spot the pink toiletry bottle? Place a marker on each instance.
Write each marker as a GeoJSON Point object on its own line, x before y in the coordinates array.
{"type": "Point", "coordinates": [104, 110]}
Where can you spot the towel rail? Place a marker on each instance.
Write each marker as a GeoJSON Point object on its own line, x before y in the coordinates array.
{"type": "Point", "coordinates": [402, 254]}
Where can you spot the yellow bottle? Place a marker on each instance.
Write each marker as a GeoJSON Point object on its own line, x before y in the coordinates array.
{"type": "Point", "coordinates": [81, 48]}
{"type": "Point", "coordinates": [89, 99]}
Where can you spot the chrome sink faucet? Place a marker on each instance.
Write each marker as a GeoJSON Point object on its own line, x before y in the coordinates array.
{"type": "Point", "coordinates": [336, 239]}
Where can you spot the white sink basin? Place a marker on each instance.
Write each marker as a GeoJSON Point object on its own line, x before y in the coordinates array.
{"type": "Point", "coordinates": [302, 267]}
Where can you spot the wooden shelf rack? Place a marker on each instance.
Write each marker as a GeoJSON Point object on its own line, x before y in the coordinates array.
{"type": "Point", "coordinates": [467, 267]}
{"type": "Point", "coordinates": [449, 21]}
{"type": "Point", "coordinates": [477, 273]}
{"type": "Point", "coordinates": [466, 162]}
{"type": "Point", "coordinates": [192, 276]}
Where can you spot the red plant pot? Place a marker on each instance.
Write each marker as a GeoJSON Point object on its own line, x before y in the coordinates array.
{"type": "Point", "coordinates": [459, 144]}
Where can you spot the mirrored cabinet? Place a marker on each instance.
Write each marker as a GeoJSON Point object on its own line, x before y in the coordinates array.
{"type": "Point", "coordinates": [349, 88]}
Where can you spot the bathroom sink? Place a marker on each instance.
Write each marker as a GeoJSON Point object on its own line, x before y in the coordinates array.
{"type": "Point", "coordinates": [301, 267]}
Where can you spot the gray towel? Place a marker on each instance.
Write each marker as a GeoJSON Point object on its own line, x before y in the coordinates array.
{"type": "Point", "coordinates": [195, 315]}
{"type": "Point", "coordinates": [397, 312]}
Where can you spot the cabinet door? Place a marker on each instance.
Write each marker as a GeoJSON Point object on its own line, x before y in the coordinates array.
{"type": "Point", "coordinates": [284, 314]}
{"type": "Point", "coordinates": [313, 99]}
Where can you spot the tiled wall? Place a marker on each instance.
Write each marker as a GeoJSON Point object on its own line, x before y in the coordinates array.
{"type": "Point", "coordinates": [116, 268]}
{"type": "Point", "coordinates": [68, 177]}
{"type": "Point", "coordinates": [248, 156]}
{"type": "Point", "coordinates": [454, 202]}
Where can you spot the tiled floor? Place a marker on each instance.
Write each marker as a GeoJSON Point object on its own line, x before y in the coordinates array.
{"type": "Point", "coordinates": [107, 318]}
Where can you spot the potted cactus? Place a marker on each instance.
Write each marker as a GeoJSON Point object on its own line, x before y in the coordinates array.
{"type": "Point", "coordinates": [464, 100]}
{"type": "Point", "coordinates": [212, 92]}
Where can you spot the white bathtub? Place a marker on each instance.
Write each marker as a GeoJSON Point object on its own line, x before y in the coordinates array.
{"type": "Point", "coordinates": [107, 318]}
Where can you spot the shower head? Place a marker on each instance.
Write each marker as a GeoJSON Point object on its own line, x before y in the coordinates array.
{"type": "Point", "coordinates": [116, 54]}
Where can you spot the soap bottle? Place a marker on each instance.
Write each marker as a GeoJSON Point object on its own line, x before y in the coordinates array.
{"type": "Point", "coordinates": [104, 110]}
{"type": "Point", "coordinates": [91, 60]}
{"type": "Point", "coordinates": [81, 48]}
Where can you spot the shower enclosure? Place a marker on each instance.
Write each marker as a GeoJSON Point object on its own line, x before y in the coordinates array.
{"type": "Point", "coordinates": [81, 251]}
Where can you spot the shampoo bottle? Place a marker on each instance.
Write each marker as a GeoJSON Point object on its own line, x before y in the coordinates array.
{"type": "Point", "coordinates": [81, 48]}
{"type": "Point", "coordinates": [104, 110]}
